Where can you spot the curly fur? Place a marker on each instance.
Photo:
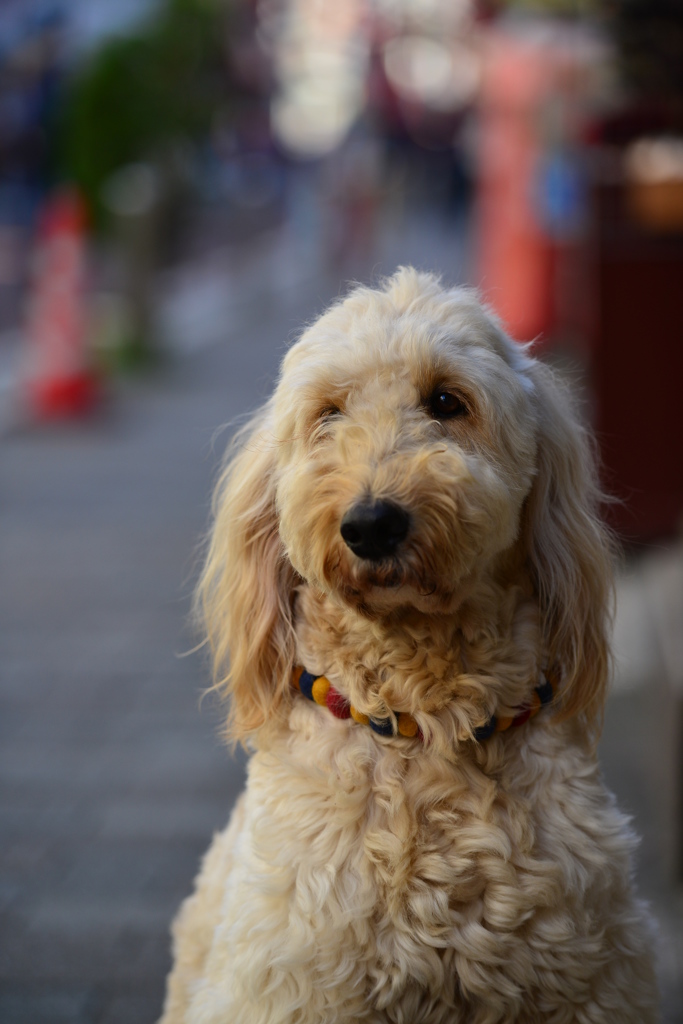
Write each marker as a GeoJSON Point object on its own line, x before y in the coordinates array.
{"type": "Point", "coordinates": [379, 879]}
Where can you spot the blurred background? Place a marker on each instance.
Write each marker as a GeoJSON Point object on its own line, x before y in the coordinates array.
{"type": "Point", "coordinates": [183, 184]}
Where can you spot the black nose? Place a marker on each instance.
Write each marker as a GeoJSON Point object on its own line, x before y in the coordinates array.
{"type": "Point", "coordinates": [374, 529]}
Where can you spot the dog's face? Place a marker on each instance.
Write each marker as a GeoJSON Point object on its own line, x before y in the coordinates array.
{"type": "Point", "coordinates": [406, 446]}
{"type": "Point", "coordinates": [411, 450]}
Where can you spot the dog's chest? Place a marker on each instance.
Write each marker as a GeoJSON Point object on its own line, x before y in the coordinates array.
{"type": "Point", "coordinates": [411, 888]}
{"type": "Point", "coordinates": [424, 870]}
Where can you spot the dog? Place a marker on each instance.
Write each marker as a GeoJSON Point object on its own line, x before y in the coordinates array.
{"type": "Point", "coordinates": [406, 596]}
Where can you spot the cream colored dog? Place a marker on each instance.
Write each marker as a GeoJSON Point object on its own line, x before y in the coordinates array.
{"type": "Point", "coordinates": [407, 535]}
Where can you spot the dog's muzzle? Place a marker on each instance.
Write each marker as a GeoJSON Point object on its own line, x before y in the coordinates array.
{"type": "Point", "coordinates": [374, 529]}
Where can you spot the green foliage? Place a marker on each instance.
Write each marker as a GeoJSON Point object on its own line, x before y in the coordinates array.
{"type": "Point", "coordinates": [139, 93]}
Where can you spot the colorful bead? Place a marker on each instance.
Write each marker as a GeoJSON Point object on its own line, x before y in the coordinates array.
{"type": "Point", "coordinates": [484, 731]}
{"type": "Point", "coordinates": [407, 726]}
{"type": "Point", "coordinates": [504, 723]}
{"type": "Point", "coordinates": [535, 704]}
{"type": "Point", "coordinates": [320, 689]}
{"type": "Point", "coordinates": [358, 716]}
{"type": "Point", "coordinates": [382, 726]}
{"type": "Point", "coordinates": [523, 716]}
{"type": "Point", "coordinates": [545, 691]}
{"type": "Point", "coordinates": [306, 681]}
{"type": "Point", "coordinates": [338, 704]}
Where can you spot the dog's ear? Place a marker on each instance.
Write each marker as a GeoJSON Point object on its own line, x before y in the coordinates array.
{"type": "Point", "coordinates": [570, 553]}
{"type": "Point", "coordinates": [244, 597]}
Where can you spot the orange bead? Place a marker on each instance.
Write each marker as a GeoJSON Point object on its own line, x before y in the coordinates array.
{"type": "Point", "coordinates": [358, 716]}
{"type": "Point", "coordinates": [407, 726]}
{"type": "Point", "coordinates": [320, 689]}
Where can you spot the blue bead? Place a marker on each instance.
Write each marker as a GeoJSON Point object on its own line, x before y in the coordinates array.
{"type": "Point", "coordinates": [306, 681]}
{"type": "Point", "coordinates": [545, 692]}
{"type": "Point", "coordinates": [382, 726]}
{"type": "Point", "coordinates": [484, 731]}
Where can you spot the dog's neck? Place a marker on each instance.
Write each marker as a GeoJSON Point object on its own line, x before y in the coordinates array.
{"type": "Point", "coordinates": [481, 659]}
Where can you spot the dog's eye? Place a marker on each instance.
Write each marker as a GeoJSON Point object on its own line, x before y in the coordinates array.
{"type": "Point", "coordinates": [329, 412]}
{"type": "Point", "coordinates": [444, 405]}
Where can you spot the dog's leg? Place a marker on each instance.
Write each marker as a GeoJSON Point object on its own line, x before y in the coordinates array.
{"type": "Point", "coordinates": [194, 926]}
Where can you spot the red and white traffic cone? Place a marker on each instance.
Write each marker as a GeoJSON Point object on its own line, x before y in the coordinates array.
{"type": "Point", "coordinates": [60, 379]}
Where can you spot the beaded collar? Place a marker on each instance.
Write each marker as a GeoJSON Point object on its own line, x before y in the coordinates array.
{"type": "Point", "coordinates": [320, 690]}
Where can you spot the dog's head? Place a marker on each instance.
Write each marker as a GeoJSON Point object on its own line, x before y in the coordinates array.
{"type": "Point", "coordinates": [410, 451]}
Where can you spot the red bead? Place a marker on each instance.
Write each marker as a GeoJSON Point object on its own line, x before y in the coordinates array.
{"type": "Point", "coordinates": [338, 704]}
{"type": "Point", "coordinates": [522, 717]}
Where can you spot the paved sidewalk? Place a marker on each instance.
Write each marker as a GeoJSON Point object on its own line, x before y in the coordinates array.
{"type": "Point", "coordinates": [112, 781]}
{"type": "Point", "coordinates": [113, 778]}
{"type": "Point", "coordinates": [642, 744]}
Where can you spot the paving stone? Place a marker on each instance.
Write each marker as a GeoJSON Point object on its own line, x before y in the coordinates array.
{"type": "Point", "coordinates": [85, 949]}
{"type": "Point", "coordinates": [158, 819]}
{"type": "Point", "coordinates": [131, 1009]}
{"type": "Point", "coordinates": [47, 1007]}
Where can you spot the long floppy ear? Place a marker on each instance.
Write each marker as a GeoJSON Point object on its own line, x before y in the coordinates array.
{"type": "Point", "coordinates": [570, 553]}
{"type": "Point", "coordinates": [244, 596]}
